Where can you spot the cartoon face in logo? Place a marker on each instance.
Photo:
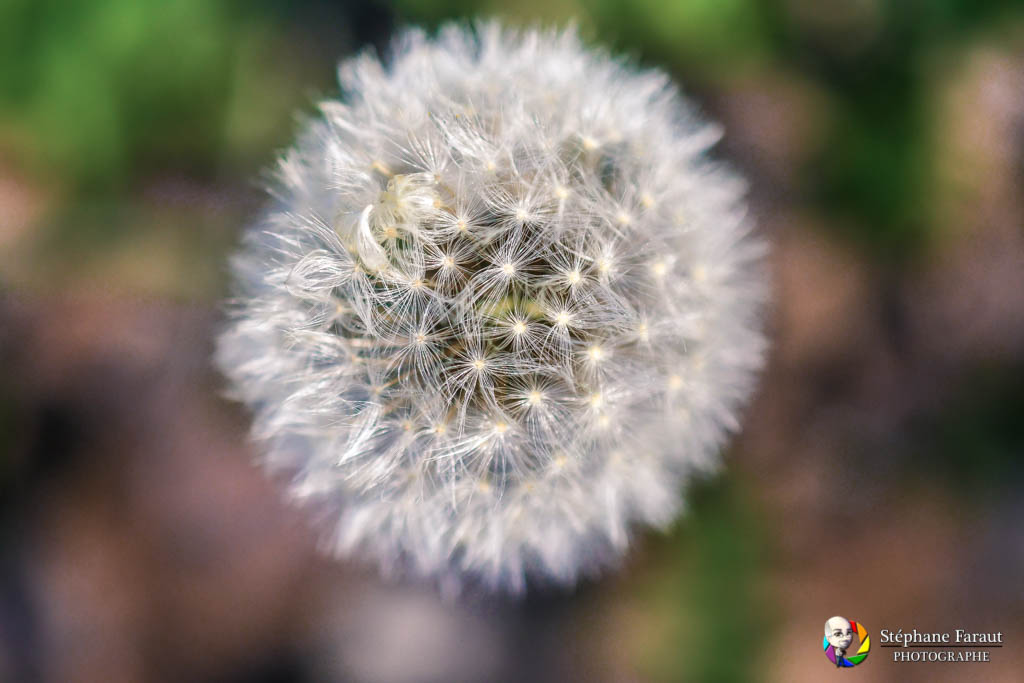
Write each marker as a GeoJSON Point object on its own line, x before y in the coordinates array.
{"type": "Point", "coordinates": [839, 633]}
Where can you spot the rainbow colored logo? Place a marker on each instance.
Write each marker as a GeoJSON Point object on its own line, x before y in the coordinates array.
{"type": "Point", "coordinates": [862, 651]}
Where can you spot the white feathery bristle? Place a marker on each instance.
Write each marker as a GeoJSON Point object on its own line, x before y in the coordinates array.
{"type": "Point", "coordinates": [503, 307]}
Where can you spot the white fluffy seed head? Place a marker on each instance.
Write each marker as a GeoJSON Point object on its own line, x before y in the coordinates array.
{"type": "Point", "coordinates": [503, 307]}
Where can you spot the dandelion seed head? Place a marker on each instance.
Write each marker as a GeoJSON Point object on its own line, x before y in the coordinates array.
{"type": "Point", "coordinates": [464, 326]}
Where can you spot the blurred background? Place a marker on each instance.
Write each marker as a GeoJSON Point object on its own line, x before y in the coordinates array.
{"type": "Point", "coordinates": [879, 475]}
